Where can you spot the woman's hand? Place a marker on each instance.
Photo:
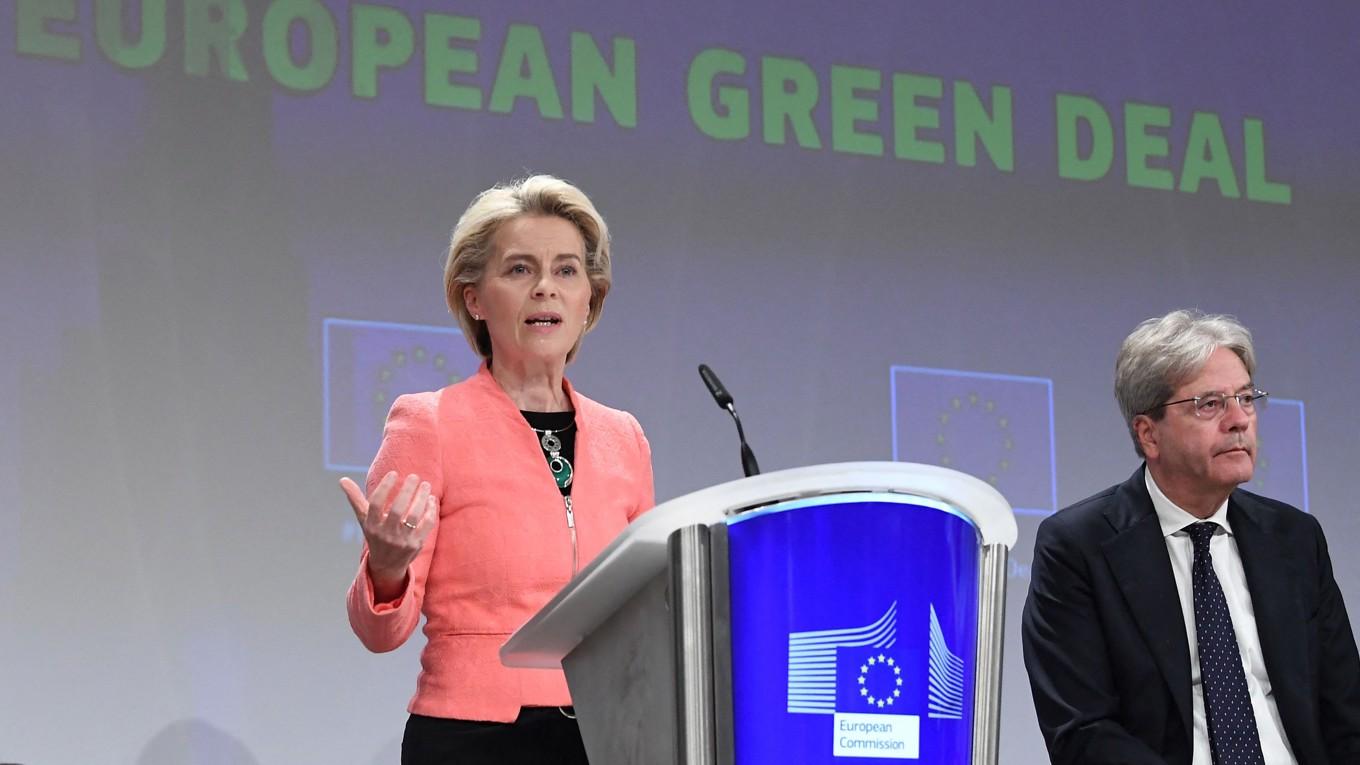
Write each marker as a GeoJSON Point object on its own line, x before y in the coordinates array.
{"type": "Point", "coordinates": [394, 527]}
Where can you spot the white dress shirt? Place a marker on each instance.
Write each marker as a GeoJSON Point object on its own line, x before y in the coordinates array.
{"type": "Point", "coordinates": [1231, 576]}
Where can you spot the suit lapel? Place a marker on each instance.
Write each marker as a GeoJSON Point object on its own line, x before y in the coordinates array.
{"type": "Point", "coordinates": [1281, 623]}
{"type": "Point", "coordinates": [1142, 569]}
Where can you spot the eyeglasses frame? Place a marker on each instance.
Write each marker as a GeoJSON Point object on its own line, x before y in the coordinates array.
{"type": "Point", "coordinates": [1250, 397]}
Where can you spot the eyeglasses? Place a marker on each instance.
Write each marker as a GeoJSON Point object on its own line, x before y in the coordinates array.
{"type": "Point", "coordinates": [1211, 406]}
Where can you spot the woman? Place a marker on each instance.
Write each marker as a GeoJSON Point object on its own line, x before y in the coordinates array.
{"type": "Point", "coordinates": [487, 496]}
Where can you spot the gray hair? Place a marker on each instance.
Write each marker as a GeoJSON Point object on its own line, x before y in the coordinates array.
{"type": "Point", "coordinates": [1163, 352]}
{"type": "Point", "coordinates": [470, 245]}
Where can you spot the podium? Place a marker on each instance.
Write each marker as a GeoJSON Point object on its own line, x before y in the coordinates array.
{"type": "Point", "coordinates": [836, 613]}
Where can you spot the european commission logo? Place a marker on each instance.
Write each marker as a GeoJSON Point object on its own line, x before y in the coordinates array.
{"type": "Point", "coordinates": [876, 689]}
{"type": "Point", "coordinates": [366, 365]}
{"type": "Point", "coordinates": [998, 428]}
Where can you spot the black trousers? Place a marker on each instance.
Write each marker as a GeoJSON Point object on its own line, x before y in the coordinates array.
{"type": "Point", "coordinates": [540, 736]}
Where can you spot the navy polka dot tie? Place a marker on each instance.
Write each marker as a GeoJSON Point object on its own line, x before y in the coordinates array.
{"type": "Point", "coordinates": [1227, 705]}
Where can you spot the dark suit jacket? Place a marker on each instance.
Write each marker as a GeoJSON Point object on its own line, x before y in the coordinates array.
{"type": "Point", "coordinates": [1105, 645]}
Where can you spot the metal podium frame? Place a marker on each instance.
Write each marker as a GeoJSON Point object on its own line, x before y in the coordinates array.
{"type": "Point", "coordinates": [640, 631]}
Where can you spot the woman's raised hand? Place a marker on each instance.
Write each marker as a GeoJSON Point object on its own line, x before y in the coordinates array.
{"type": "Point", "coordinates": [394, 527]}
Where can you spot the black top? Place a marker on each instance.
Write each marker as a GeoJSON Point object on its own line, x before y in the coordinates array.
{"type": "Point", "coordinates": [562, 426]}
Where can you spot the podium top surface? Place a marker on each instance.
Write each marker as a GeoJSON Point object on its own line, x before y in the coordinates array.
{"type": "Point", "coordinates": [639, 553]}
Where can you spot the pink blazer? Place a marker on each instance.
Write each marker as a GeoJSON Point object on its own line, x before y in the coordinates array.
{"type": "Point", "coordinates": [502, 547]}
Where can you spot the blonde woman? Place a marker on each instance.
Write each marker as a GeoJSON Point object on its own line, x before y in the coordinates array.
{"type": "Point", "coordinates": [487, 496]}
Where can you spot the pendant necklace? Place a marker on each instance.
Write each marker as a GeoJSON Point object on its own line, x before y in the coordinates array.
{"type": "Point", "coordinates": [552, 445]}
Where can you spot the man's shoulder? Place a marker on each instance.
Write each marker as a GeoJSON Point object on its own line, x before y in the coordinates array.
{"type": "Point", "coordinates": [1084, 516]}
{"type": "Point", "coordinates": [1091, 505]}
{"type": "Point", "coordinates": [1272, 512]}
{"type": "Point", "coordinates": [1268, 504]}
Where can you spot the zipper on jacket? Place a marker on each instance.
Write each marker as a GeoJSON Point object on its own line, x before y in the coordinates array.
{"type": "Point", "coordinates": [571, 524]}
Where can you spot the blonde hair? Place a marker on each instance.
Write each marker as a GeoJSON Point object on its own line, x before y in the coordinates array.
{"type": "Point", "coordinates": [470, 245]}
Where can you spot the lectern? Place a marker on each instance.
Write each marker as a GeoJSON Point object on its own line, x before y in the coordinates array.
{"type": "Point", "coordinates": [829, 614]}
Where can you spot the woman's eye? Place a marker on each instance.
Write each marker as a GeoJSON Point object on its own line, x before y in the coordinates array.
{"type": "Point", "coordinates": [519, 268]}
{"type": "Point", "coordinates": [568, 270]}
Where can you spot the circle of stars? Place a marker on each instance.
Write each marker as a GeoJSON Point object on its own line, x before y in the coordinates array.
{"type": "Point", "coordinates": [402, 361]}
{"type": "Point", "coordinates": [974, 405]}
{"type": "Point", "coordinates": [864, 670]}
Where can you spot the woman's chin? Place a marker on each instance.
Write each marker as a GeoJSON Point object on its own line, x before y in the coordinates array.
{"type": "Point", "coordinates": [537, 350]}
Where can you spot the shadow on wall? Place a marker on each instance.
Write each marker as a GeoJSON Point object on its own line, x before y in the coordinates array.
{"type": "Point", "coordinates": [195, 742]}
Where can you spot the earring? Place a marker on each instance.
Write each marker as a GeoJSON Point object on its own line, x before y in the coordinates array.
{"type": "Point", "coordinates": [476, 317]}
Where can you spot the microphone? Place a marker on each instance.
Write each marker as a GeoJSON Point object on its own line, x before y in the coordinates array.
{"type": "Point", "coordinates": [724, 401]}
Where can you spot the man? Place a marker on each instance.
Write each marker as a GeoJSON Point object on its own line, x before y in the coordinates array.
{"type": "Point", "coordinates": [1175, 619]}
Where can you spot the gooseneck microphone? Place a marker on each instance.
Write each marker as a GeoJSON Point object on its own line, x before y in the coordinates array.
{"type": "Point", "coordinates": [724, 399]}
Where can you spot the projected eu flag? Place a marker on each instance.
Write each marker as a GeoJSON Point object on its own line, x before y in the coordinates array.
{"type": "Point", "coordinates": [996, 427]}
{"type": "Point", "coordinates": [366, 365]}
{"type": "Point", "coordinates": [1281, 453]}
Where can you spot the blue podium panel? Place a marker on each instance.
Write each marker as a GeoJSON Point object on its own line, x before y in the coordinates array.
{"type": "Point", "coordinates": [854, 627]}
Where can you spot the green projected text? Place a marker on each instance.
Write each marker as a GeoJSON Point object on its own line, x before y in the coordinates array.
{"type": "Point", "coordinates": [462, 63]}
